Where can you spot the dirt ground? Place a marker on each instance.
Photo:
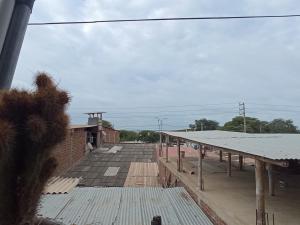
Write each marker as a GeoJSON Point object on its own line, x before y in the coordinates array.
{"type": "Point", "coordinates": [233, 198]}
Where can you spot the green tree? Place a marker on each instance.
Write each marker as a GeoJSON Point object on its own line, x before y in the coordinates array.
{"type": "Point", "coordinates": [253, 125]}
{"type": "Point", "coordinates": [148, 136]}
{"type": "Point", "coordinates": [127, 135]}
{"type": "Point", "coordinates": [282, 126]}
{"type": "Point", "coordinates": [107, 124]}
{"type": "Point", "coordinates": [204, 124]}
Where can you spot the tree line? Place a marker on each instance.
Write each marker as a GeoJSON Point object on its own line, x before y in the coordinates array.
{"type": "Point", "coordinates": [253, 125]}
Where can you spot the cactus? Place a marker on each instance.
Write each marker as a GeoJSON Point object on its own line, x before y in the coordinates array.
{"type": "Point", "coordinates": [31, 124]}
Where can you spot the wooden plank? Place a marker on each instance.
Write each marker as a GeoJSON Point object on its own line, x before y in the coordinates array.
{"type": "Point", "coordinates": [142, 175]}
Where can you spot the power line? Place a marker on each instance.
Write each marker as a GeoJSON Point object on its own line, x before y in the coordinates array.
{"type": "Point", "coordinates": [165, 115]}
{"type": "Point", "coordinates": [162, 19]}
{"type": "Point", "coordinates": [274, 105]}
{"type": "Point", "coordinates": [115, 113]}
{"type": "Point", "coordinates": [158, 106]}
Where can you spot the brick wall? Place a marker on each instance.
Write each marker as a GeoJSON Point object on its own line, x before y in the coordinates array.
{"type": "Point", "coordinates": [71, 150]}
{"type": "Point", "coordinates": [111, 136]}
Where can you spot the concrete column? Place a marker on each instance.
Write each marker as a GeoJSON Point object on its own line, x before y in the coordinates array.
{"type": "Point", "coordinates": [178, 156]}
{"type": "Point", "coordinates": [260, 192]}
{"type": "Point", "coordinates": [221, 156]}
{"type": "Point", "coordinates": [271, 180]}
{"type": "Point", "coordinates": [167, 148]}
{"type": "Point", "coordinates": [241, 162]}
{"type": "Point", "coordinates": [200, 170]}
{"type": "Point", "coordinates": [229, 165]}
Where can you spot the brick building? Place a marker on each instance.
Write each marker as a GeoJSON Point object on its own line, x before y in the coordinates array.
{"type": "Point", "coordinates": [73, 148]}
{"type": "Point", "coordinates": [110, 135]}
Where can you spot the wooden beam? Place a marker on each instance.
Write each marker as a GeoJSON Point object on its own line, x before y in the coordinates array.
{"type": "Point", "coordinates": [200, 169]}
{"type": "Point", "coordinates": [241, 162]}
{"type": "Point", "coordinates": [260, 192]}
{"type": "Point", "coordinates": [271, 180]}
{"type": "Point", "coordinates": [160, 145]}
{"type": "Point", "coordinates": [167, 148]}
{"type": "Point", "coordinates": [229, 165]}
{"type": "Point", "coordinates": [178, 156]}
{"type": "Point", "coordinates": [221, 156]}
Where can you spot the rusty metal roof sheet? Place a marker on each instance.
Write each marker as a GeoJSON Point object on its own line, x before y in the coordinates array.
{"type": "Point", "coordinates": [60, 185]}
{"type": "Point", "coordinates": [271, 146]}
{"type": "Point", "coordinates": [123, 206]}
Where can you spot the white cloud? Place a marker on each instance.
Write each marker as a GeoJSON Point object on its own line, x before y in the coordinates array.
{"type": "Point", "coordinates": [105, 66]}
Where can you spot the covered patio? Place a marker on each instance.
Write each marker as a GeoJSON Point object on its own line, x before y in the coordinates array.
{"type": "Point", "coordinates": [260, 190]}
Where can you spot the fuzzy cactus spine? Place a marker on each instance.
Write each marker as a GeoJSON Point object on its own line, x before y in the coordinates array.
{"type": "Point", "coordinates": [31, 124]}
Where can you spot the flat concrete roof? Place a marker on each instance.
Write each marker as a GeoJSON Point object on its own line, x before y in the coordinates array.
{"type": "Point", "coordinates": [270, 146]}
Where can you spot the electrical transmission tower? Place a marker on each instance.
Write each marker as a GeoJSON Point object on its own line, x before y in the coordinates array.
{"type": "Point", "coordinates": [242, 112]}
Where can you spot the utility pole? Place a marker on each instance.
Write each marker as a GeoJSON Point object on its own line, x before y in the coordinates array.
{"type": "Point", "coordinates": [160, 125]}
{"type": "Point", "coordinates": [242, 112]}
{"type": "Point", "coordinates": [6, 10]}
{"type": "Point", "coordinates": [14, 37]}
{"type": "Point", "coordinates": [260, 128]}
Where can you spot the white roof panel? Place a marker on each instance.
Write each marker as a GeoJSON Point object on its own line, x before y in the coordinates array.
{"type": "Point", "coordinates": [271, 146]}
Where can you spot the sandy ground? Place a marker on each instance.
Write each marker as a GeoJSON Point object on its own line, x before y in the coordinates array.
{"type": "Point", "coordinates": [233, 198]}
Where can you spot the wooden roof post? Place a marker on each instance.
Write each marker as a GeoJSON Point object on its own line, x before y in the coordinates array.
{"type": "Point", "coordinates": [229, 165]}
{"type": "Point", "coordinates": [260, 192]}
{"type": "Point", "coordinates": [178, 156]}
{"type": "Point", "coordinates": [241, 162]}
{"type": "Point", "coordinates": [271, 180]}
{"type": "Point", "coordinates": [200, 169]}
{"type": "Point", "coordinates": [160, 145]}
{"type": "Point", "coordinates": [167, 148]}
{"type": "Point", "coordinates": [221, 156]}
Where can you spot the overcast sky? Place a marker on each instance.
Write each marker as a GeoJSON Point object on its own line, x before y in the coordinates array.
{"type": "Point", "coordinates": [179, 70]}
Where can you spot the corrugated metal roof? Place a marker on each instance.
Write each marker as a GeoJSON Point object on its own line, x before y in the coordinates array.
{"type": "Point", "coordinates": [123, 206]}
{"type": "Point", "coordinates": [60, 185]}
{"type": "Point", "coordinates": [272, 146]}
